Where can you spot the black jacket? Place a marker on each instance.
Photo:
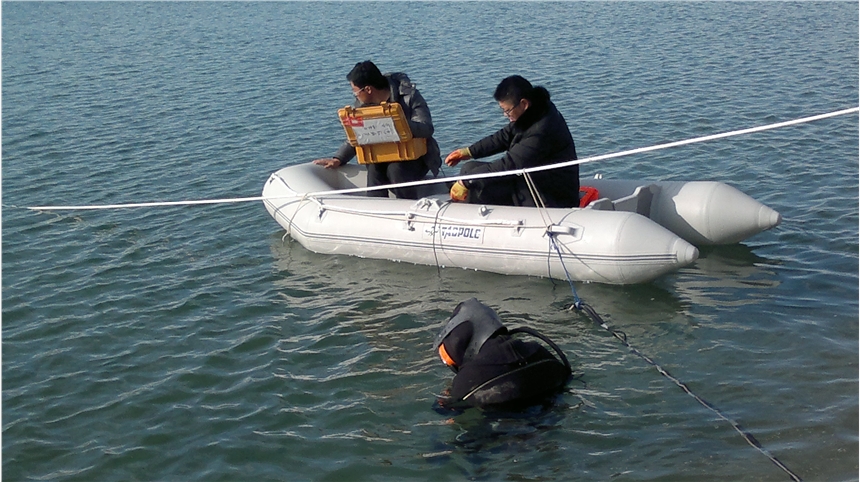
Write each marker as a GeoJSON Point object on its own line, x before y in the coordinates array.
{"type": "Point", "coordinates": [539, 137]}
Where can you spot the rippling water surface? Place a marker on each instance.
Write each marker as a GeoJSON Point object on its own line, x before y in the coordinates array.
{"type": "Point", "coordinates": [194, 343]}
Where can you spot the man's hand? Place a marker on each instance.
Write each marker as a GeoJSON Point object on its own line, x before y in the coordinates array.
{"type": "Point", "coordinates": [459, 192]}
{"type": "Point", "coordinates": [328, 163]}
{"type": "Point", "coordinates": [457, 156]}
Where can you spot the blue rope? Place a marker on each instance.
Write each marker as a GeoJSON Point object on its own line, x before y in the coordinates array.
{"type": "Point", "coordinates": [577, 303]}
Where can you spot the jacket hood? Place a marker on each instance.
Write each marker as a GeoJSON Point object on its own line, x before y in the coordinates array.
{"type": "Point", "coordinates": [540, 106]}
{"type": "Point", "coordinates": [400, 83]}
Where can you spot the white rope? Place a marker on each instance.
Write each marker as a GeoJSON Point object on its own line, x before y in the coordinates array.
{"type": "Point", "coordinates": [149, 204]}
{"type": "Point", "coordinates": [544, 214]}
{"type": "Point", "coordinates": [518, 172]}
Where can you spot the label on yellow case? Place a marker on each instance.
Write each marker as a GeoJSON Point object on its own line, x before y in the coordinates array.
{"type": "Point", "coordinates": [375, 131]}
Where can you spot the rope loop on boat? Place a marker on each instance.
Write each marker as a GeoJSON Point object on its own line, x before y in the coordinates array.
{"type": "Point", "coordinates": [538, 200]}
{"type": "Point", "coordinates": [290, 224]}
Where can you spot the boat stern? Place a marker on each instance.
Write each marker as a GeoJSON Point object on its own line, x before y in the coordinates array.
{"type": "Point", "coordinates": [712, 213]}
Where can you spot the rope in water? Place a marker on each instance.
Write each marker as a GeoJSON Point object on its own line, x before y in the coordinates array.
{"type": "Point", "coordinates": [621, 336]}
{"type": "Point", "coordinates": [474, 176]}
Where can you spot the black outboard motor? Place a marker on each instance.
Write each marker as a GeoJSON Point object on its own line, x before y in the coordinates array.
{"type": "Point", "coordinates": [493, 368]}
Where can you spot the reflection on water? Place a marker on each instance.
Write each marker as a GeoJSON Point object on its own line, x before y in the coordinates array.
{"type": "Point", "coordinates": [475, 438]}
{"type": "Point", "coordinates": [404, 305]}
{"type": "Point", "coordinates": [382, 298]}
{"type": "Point", "coordinates": [727, 276]}
{"type": "Point", "coordinates": [732, 260]}
{"type": "Point", "coordinates": [722, 276]}
{"type": "Point", "coordinates": [512, 294]}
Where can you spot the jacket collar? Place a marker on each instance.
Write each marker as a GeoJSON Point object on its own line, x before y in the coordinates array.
{"type": "Point", "coordinates": [536, 111]}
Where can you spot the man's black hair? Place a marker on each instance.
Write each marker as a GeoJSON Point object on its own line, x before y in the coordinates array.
{"type": "Point", "coordinates": [366, 73]}
{"type": "Point", "coordinates": [515, 88]}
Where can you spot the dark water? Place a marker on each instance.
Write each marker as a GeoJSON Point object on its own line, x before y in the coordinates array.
{"type": "Point", "coordinates": [192, 343]}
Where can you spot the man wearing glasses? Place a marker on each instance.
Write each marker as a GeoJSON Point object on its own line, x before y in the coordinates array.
{"type": "Point", "coordinates": [371, 87]}
{"type": "Point", "coordinates": [537, 135]}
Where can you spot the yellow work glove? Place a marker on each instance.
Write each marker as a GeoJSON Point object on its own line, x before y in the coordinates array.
{"type": "Point", "coordinates": [457, 156]}
{"type": "Point", "coordinates": [459, 191]}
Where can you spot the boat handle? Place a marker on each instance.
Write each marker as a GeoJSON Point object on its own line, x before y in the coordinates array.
{"type": "Point", "coordinates": [558, 229]}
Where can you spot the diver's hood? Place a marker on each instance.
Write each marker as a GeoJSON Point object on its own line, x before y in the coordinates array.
{"type": "Point", "coordinates": [485, 323]}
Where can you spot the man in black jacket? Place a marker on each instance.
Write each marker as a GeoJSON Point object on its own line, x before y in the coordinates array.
{"type": "Point", "coordinates": [537, 135]}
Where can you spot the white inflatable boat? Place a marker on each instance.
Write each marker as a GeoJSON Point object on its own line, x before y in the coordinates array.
{"type": "Point", "coordinates": [634, 233]}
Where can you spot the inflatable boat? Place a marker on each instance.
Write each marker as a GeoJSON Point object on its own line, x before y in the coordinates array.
{"type": "Point", "coordinates": [634, 232]}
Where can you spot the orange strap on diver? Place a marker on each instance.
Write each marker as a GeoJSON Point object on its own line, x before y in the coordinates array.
{"type": "Point", "coordinates": [445, 357]}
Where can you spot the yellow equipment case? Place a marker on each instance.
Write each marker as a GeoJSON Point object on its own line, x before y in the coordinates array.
{"type": "Point", "coordinates": [380, 133]}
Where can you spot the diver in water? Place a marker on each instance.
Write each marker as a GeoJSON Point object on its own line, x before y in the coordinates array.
{"type": "Point", "coordinates": [492, 367]}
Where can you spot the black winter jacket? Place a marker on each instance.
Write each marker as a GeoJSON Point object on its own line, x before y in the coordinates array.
{"type": "Point", "coordinates": [539, 137]}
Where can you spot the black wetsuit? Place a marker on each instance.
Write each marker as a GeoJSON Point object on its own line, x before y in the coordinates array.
{"type": "Point", "coordinates": [508, 371]}
{"type": "Point", "coordinates": [493, 366]}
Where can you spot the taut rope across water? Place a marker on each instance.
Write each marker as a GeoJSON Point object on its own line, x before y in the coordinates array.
{"type": "Point", "coordinates": [476, 176]}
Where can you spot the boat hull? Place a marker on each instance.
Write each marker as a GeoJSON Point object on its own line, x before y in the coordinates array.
{"type": "Point", "coordinates": [616, 247]}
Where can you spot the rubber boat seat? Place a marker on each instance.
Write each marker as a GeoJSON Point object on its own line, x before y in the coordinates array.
{"type": "Point", "coordinates": [638, 202]}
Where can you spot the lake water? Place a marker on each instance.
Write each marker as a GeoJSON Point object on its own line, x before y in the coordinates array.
{"type": "Point", "coordinates": [194, 343]}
